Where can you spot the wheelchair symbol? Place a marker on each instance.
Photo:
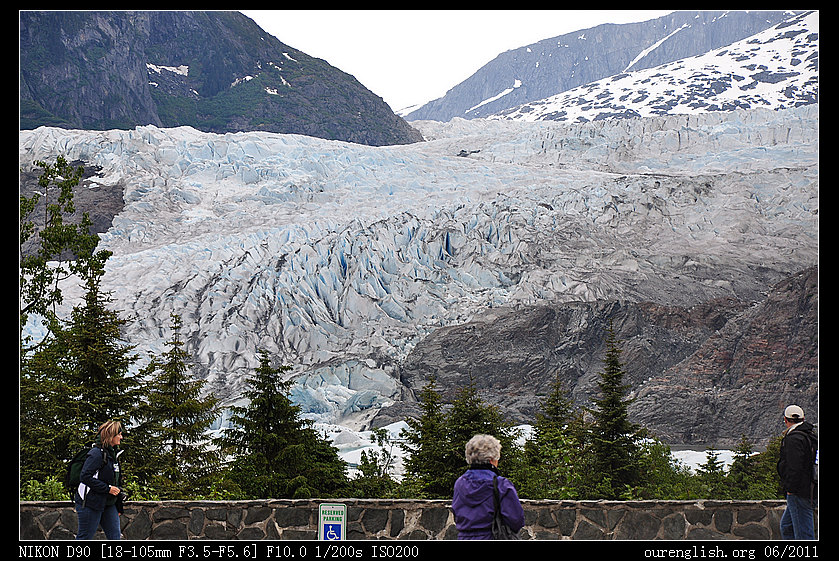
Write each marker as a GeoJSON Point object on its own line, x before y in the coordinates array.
{"type": "Point", "coordinates": [332, 531]}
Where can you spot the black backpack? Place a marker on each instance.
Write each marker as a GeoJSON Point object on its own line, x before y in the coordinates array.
{"type": "Point", "coordinates": [814, 448]}
{"type": "Point", "coordinates": [72, 477]}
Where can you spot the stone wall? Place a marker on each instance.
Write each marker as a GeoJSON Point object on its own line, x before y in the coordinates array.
{"type": "Point", "coordinates": [418, 520]}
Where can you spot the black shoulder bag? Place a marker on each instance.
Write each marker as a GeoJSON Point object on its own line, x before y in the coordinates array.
{"type": "Point", "coordinates": [500, 530]}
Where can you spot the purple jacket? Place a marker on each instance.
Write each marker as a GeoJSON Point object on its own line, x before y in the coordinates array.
{"type": "Point", "coordinates": [473, 504]}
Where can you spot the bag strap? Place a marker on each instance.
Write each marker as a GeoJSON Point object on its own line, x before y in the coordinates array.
{"type": "Point", "coordinates": [814, 451]}
{"type": "Point", "coordinates": [496, 497]}
{"type": "Point", "coordinates": [104, 460]}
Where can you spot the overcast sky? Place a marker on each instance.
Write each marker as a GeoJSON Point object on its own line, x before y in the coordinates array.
{"type": "Point", "coordinates": [410, 57]}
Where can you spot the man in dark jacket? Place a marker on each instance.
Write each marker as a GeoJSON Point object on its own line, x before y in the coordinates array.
{"type": "Point", "coordinates": [796, 467]}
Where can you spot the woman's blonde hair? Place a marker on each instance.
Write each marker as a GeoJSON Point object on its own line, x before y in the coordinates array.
{"type": "Point", "coordinates": [108, 431]}
{"type": "Point", "coordinates": [482, 448]}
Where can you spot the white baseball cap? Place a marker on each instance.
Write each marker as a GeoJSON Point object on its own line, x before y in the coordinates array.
{"type": "Point", "coordinates": [794, 413]}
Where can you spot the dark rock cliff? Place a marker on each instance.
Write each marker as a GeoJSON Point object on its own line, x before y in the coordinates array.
{"type": "Point", "coordinates": [214, 71]}
{"type": "Point", "coordinates": [707, 374]}
{"type": "Point", "coordinates": [741, 378]}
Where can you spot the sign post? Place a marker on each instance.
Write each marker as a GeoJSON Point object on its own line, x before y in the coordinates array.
{"type": "Point", "coordinates": [332, 521]}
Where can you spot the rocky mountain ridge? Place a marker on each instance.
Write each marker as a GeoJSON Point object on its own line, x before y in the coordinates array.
{"type": "Point", "coordinates": [215, 71]}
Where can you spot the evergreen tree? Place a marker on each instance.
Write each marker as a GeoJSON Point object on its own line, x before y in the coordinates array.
{"type": "Point", "coordinates": [75, 381]}
{"type": "Point", "coordinates": [423, 443]}
{"type": "Point", "coordinates": [550, 454]}
{"type": "Point", "coordinates": [711, 476]}
{"type": "Point", "coordinates": [470, 415]}
{"type": "Point", "coordinates": [767, 470]}
{"type": "Point", "coordinates": [614, 439]}
{"type": "Point", "coordinates": [436, 441]}
{"type": "Point", "coordinates": [755, 476]}
{"type": "Point", "coordinates": [61, 250]}
{"type": "Point", "coordinates": [556, 409]}
{"type": "Point", "coordinates": [49, 424]}
{"type": "Point", "coordinates": [170, 450]}
{"type": "Point", "coordinates": [275, 453]}
{"type": "Point", "coordinates": [98, 360]}
{"type": "Point", "coordinates": [741, 473]}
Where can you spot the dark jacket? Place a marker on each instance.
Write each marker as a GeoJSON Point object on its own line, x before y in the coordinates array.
{"type": "Point", "coordinates": [797, 457]}
{"type": "Point", "coordinates": [99, 472]}
{"type": "Point", "coordinates": [473, 504]}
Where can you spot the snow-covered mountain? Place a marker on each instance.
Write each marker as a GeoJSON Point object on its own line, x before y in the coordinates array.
{"type": "Point", "coordinates": [554, 65]}
{"type": "Point", "coordinates": [776, 68]}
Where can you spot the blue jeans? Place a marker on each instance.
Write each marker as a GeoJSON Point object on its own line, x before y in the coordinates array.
{"type": "Point", "coordinates": [797, 521]}
{"type": "Point", "coordinates": [90, 520]}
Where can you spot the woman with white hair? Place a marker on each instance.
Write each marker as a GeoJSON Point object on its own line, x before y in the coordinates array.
{"type": "Point", "coordinates": [473, 502]}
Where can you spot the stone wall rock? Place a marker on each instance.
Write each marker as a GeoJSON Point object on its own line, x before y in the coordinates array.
{"type": "Point", "coordinates": [375, 519]}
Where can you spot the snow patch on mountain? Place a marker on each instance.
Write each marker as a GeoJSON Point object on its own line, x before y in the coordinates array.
{"type": "Point", "coordinates": [652, 47]}
{"type": "Point", "coordinates": [516, 84]}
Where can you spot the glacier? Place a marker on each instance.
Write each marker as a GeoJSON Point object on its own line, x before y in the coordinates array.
{"type": "Point", "coordinates": [338, 258]}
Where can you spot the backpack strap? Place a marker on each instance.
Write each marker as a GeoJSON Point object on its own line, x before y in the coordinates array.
{"type": "Point", "coordinates": [814, 453]}
{"type": "Point", "coordinates": [104, 459]}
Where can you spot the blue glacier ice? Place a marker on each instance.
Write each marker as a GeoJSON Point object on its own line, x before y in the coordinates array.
{"type": "Point", "coordinates": [338, 258]}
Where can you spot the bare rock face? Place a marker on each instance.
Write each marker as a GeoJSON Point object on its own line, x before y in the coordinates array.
{"type": "Point", "coordinates": [215, 71]}
{"type": "Point", "coordinates": [704, 374]}
{"type": "Point", "coordinates": [101, 201]}
{"type": "Point", "coordinates": [741, 378]}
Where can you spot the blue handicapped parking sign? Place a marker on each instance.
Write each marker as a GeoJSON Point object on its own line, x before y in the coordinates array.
{"type": "Point", "coordinates": [332, 519]}
{"type": "Point", "coordinates": [332, 531]}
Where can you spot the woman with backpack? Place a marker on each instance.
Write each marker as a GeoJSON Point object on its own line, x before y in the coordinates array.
{"type": "Point", "coordinates": [98, 498]}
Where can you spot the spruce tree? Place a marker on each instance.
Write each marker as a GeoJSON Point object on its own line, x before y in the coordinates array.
{"type": "Point", "coordinates": [76, 380]}
{"type": "Point", "coordinates": [275, 453]}
{"type": "Point", "coordinates": [741, 473]}
{"type": "Point", "coordinates": [437, 440]}
{"type": "Point", "coordinates": [550, 453]}
{"type": "Point", "coordinates": [711, 475]}
{"type": "Point", "coordinates": [171, 453]}
{"type": "Point", "coordinates": [754, 476]}
{"type": "Point", "coordinates": [614, 439]}
{"type": "Point", "coordinates": [470, 415]}
{"type": "Point", "coordinates": [423, 443]}
{"type": "Point", "coordinates": [49, 424]}
{"type": "Point", "coordinates": [60, 249]}
{"type": "Point", "coordinates": [98, 360]}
